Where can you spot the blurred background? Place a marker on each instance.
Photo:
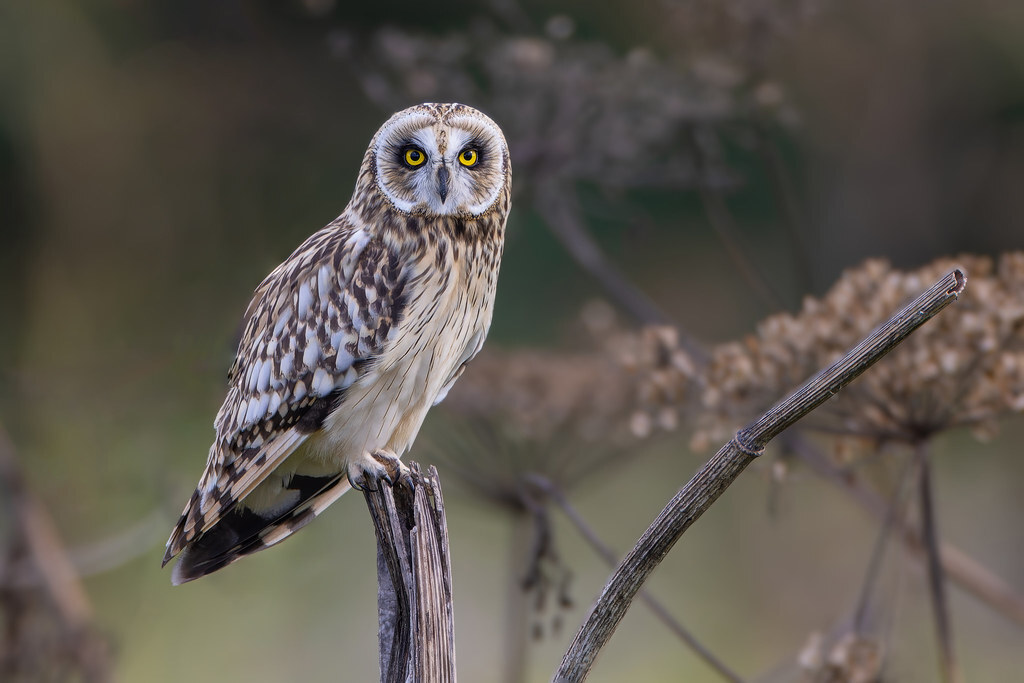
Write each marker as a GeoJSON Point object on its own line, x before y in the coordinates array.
{"type": "Point", "coordinates": [701, 164]}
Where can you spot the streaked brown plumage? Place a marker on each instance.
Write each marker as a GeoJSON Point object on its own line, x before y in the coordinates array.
{"type": "Point", "coordinates": [348, 343]}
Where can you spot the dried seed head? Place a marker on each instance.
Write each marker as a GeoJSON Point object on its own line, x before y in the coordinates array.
{"type": "Point", "coordinates": [964, 368]}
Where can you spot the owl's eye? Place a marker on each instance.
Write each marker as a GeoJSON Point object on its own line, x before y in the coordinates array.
{"type": "Point", "coordinates": [414, 157]}
{"type": "Point", "coordinates": [468, 157]}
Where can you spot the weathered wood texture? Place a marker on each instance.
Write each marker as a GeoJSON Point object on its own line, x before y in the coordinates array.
{"type": "Point", "coordinates": [414, 598]}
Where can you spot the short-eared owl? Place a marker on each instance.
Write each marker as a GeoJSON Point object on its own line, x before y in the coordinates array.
{"type": "Point", "coordinates": [348, 343]}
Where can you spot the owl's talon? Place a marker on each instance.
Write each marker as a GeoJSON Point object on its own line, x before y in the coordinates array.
{"type": "Point", "coordinates": [367, 472]}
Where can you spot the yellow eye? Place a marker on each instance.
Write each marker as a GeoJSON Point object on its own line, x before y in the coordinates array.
{"type": "Point", "coordinates": [414, 157]}
{"type": "Point", "coordinates": [468, 157]}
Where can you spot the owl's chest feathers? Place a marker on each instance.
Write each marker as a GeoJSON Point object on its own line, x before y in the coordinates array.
{"type": "Point", "coordinates": [450, 298]}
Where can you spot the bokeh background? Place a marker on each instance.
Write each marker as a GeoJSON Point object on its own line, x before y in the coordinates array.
{"type": "Point", "coordinates": [730, 157]}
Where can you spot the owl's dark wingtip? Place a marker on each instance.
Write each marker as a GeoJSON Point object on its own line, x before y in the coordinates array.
{"type": "Point", "coordinates": [192, 565]}
{"type": "Point", "coordinates": [168, 556]}
{"type": "Point", "coordinates": [185, 571]}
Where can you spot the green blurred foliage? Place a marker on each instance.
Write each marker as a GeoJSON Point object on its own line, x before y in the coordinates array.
{"type": "Point", "coordinates": [157, 159]}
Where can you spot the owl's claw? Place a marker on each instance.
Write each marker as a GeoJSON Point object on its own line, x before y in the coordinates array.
{"type": "Point", "coordinates": [366, 472]}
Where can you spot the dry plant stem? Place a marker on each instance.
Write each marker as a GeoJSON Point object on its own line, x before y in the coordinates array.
{"type": "Point", "coordinates": [414, 600]}
{"type": "Point", "coordinates": [725, 227]}
{"type": "Point", "coordinates": [99, 556]}
{"type": "Point", "coordinates": [605, 553]}
{"type": "Point", "coordinates": [48, 557]}
{"type": "Point", "coordinates": [50, 561]}
{"type": "Point", "coordinates": [727, 464]}
{"type": "Point", "coordinates": [936, 575]}
{"type": "Point", "coordinates": [786, 196]}
{"type": "Point", "coordinates": [514, 649]}
{"type": "Point", "coordinates": [722, 223]}
{"type": "Point", "coordinates": [975, 579]}
{"type": "Point", "coordinates": [959, 567]}
{"type": "Point", "coordinates": [562, 216]}
{"type": "Point", "coordinates": [894, 519]}
{"type": "Point", "coordinates": [564, 221]}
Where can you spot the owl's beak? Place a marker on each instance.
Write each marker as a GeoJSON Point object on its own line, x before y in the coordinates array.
{"type": "Point", "coordinates": [442, 182]}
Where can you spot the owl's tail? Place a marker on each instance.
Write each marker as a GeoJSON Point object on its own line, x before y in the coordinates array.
{"type": "Point", "coordinates": [243, 532]}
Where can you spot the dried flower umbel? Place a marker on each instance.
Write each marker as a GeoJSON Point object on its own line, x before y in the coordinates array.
{"type": "Point", "coordinates": [574, 110]}
{"type": "Point", "coordinates": [545, 413]}
{"type": "Point", "coordinates": [852, 659]}
{"type": "Point", "coordinates": [966, 368]}
{"type": "Point", "coordinates": [962, 369]}
{"type": "Point", "coordinates": [664, 379]}
{"type": "Point", "coordinates": [529, 422]}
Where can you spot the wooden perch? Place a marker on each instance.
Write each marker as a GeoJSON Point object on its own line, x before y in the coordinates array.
{"type": "Point", "coordinates": [414, 598]}
{"type": "Point", "coordinates": [726, 465]}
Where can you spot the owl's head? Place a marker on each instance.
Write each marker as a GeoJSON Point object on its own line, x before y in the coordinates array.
{"type": "Point", "coordinates": [440, 159]}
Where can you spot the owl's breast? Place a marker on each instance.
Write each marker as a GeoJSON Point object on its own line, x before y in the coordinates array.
{"type": "Point", "coordinates": [449, 303]}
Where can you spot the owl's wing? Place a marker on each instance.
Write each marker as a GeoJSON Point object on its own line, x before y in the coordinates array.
{"type": "Point", "coordinates": [473, 347]}
{"type": "Point", "coordinates": [313, 326]}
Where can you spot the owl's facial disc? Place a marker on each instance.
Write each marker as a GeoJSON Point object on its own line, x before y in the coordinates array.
{"type": "Point", "coordinates": [454, 167]}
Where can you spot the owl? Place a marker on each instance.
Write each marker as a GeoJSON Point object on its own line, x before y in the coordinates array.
{"type": "Point", "coordinates": [349, 342]}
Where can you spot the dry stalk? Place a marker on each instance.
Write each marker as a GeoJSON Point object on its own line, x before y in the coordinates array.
{"type": "Point", "coordinates": [727, 464]}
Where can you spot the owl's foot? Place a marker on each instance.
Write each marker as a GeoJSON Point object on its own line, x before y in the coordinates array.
{"type": "Point", "coordinates": [371, 468]}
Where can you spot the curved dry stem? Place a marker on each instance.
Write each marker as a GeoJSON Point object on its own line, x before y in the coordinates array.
{"type": "Point", "coordinates": [659, 610]}
{"type": "Point", "coordinates": [936, 574]}
{"type": "Point", "coordinates": [727, 464]}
